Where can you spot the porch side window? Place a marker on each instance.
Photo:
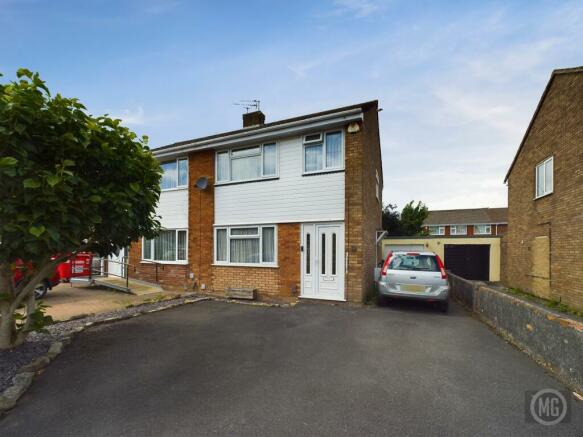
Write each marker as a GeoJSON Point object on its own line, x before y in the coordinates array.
{"type": "Point", "coordinates": [253, 245]}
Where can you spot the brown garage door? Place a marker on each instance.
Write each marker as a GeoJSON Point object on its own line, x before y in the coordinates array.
{"type": "Point", "coordinates": [470, 261]}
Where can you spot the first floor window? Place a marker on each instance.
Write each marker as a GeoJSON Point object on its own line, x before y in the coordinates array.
{"type": "Point", "coordinates": [458, 230]}
{"type": "Point", "coordinates": [482, 229]}
{"type": "Point", "coordinates": [247, 163]}
{"type": "Point", "coordinates": [170, 245]}
{"type": "Point", "coordinates": [245, 245]}
{"type": "Point", "coordinates": [323, 152]}
{"type": "Point", "coordinates": [436, 230]}
{"type": "Point", "coordinates": [544, 177]}
{"type": "Point", "coordinates": [174, 174]}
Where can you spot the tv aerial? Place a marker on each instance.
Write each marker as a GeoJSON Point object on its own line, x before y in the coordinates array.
{"type": "Point", "coordinates": [249, 104]}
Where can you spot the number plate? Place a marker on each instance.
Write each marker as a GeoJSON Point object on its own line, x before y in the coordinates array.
{"type": "Point", "coordinates": [413, 288]}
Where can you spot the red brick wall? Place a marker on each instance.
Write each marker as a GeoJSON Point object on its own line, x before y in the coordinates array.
{"type": "Point", "coordinates": [272, 283]}
{"type": "Point", "coordinates": [362, 209]}
{"type": "Point", "coordinates": [558, 131]}
{"type": "Point", "coordinates": [201, 210]}
{"type": "Point", "coordinates": [170, 276]}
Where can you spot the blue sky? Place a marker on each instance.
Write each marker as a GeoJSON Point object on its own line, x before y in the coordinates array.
{"type": "Point", "coordinates": [458, 81]}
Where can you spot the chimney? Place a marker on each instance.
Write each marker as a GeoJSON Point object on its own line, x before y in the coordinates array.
{"type": "Point", "coordinates": [255, 118]}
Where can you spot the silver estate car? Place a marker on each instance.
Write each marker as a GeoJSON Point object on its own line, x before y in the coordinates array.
{"type": "Point", "coordinates": [414, 275]}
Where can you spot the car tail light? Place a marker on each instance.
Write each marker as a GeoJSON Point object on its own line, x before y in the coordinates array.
{"type": "Point", "coordinates": [441, 267]}
{"type": "Point", "coordinates": [386, 264]}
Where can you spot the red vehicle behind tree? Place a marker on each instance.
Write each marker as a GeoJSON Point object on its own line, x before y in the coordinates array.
{"type": "Point", "coordinates": [78, 266]}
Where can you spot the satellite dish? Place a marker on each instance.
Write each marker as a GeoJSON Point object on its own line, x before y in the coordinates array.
{"type": "Point", "coordinates": [202, 183]}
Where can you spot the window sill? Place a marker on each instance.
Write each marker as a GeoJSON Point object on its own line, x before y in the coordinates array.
{"type": "Point", "coordinates": [543, 195]}
{"type": "Point", "coordinates": [266, 266]}
{"type": "Point", "coordinates": [178, 263]}
{"type": "Point", "coordinates": [314, 173]}
{"type": "Point", "coordinates": [247, 181]}
{"type": "Point", "coordinates": [164, 190]}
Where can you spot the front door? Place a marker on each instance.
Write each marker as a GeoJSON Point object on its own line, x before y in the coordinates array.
{"type": "Point", "coordinates": [323, 261]}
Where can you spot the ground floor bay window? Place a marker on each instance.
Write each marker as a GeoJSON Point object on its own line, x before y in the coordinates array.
{"type": "Point", "coordinates": [246, 245]}
{"type": "Point", "coordinates": [169, 246]}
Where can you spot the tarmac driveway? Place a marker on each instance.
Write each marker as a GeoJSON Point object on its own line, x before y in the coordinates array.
{"type": "Point", "coordinates": [215, 368]}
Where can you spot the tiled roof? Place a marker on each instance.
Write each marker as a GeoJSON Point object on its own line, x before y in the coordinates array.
{"type": "Point", "coordinates": [467, 216]}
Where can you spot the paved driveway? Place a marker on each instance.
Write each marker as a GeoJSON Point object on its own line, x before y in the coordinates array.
{"type": "Point", "coordinates": [223, 369]}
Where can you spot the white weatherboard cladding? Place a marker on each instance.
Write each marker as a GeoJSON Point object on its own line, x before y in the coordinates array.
{"type": "Point", "coordinates": [173, 208]}
{"type": "Point", "coordinates": [291, 198]}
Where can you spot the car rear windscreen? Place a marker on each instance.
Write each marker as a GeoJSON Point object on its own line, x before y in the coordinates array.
{"type": "Point", "coordinates": [418, 263]}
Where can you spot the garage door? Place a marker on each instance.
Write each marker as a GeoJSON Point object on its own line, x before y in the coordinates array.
{"type": "Point", "coordinates": [470, 261]}
{"type": "Point", "coordinates": [402, 248]}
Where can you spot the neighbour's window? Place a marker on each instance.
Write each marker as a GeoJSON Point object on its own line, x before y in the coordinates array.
{"type": "Point", "coordinates": [247, 163]}
{"type": "Point", "coordinates": [323, 152]}
{"type": "Point", "coordinates": [245, 245]}
{"type": "Point", "coordinates": [458, 230]}
{"type": "Point", "coordinates": [169, 245]}
{"type": "Point", "coordinates": [544, 178]}
{"type": "Point", "coordinates": [436, 230]}
{"type": "Point", "coordinates": [416, 262]}
{"type": "Point", "coordinates": [482, 229]}
{"type": "Point", "coordinates": [174, 174]}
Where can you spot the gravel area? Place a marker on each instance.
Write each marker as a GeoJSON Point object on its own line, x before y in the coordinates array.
{"type": "Point", "coordinates": [37, 344]}
{"type": "Point", "coordinates": [12, 360]}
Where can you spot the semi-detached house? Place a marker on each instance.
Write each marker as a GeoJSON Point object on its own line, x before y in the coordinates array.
{"type": "Point", "coordinates": [289, 208]}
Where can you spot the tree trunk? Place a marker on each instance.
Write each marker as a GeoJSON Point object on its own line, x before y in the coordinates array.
{"type": "Point", "coordinates": [7, 327]}
{"type": "Point", "coordinates": [7, 322]}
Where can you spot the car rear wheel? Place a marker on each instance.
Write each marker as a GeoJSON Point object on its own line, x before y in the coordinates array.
{"type": "Point", "coordinates": [41, 290]}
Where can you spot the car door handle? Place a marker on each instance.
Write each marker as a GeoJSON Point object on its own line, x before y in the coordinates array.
{"type": "Point", "coordinates": [413, 277]}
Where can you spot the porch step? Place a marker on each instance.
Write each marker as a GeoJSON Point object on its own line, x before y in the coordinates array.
{"type": "Point", "coordinates": [133, 286]}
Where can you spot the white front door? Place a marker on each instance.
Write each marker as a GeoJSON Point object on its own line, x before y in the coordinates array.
{"type": "Point", "coordinates": [323, 261]}
{"type": "Point", "coordinates": [115, 264]}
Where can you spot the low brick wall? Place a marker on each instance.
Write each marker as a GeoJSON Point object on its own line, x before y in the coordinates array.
{"type": "Point", "coordinates": [550, 338]}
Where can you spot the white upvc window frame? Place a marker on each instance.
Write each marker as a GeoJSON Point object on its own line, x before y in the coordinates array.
{"type": "Point", "coordinates": [177, 261]}
{"type": "Point", "coordinates": [440, 230]}
{"type": "Point", "coordinates": [230, 151]}
{"type": "Point", "coordinates": [453, 229]}
{"type": "Point", "coordinates": [259, 237]}
{"type": "Point", "coordinates": [541, 166]}
{"type": "Point", "coordinates": [487, 232]}
{"type": "Point", "coordinates": [322, 140]}
{"type": "Point", "coordinates": [177, 161]}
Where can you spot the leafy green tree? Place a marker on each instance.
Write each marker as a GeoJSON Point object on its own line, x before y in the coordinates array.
{"type": "Point", "coordinates": [69, 182]}
{"type": "Point", "coordinates": [412, 217]}
{"type": "Point", "coordinates": [392, 220]}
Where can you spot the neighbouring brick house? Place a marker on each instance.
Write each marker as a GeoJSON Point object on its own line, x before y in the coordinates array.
{"type": "Point", "coordinates": [543, 249]}
{"type": "Point", "coordinates": [467, 222]}
{"type": "Point", "coordinates": [290, 208]}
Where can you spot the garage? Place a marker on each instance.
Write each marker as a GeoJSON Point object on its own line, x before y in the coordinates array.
{"type": "Point", "coordinates": [403, 248]}
{"type": "Point", "coordinates": [470, 261]}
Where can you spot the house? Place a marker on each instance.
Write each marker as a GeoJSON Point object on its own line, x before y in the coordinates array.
{"type": "Point", "coordinates": [543, 249]}
{"type": "Point", "coordinates": [467, 222]}
{"type": "Point", "coordinates": [288, 208]}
